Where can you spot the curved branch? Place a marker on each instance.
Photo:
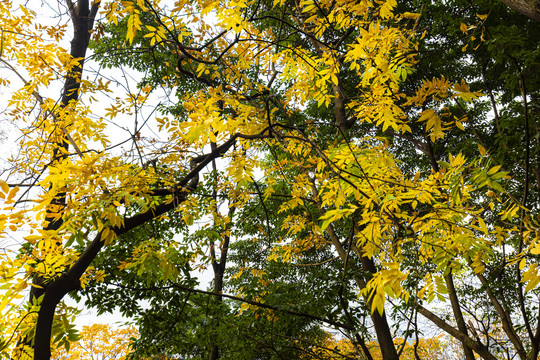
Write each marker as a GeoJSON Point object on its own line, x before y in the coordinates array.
{"type": "Point", "coordinates": [477, 346]}
{"type": "Point", "coordinates": [250, 302]}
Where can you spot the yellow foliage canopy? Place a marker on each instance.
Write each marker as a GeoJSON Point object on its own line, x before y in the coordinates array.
{"type": "Point", "coordinates": [252, 106]}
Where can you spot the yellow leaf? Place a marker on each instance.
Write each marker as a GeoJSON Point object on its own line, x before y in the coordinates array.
{"type": "Point", "coordinates": [422, 293]}
{"type": "Point", "coordinates": [481, 17]}
{"type": "Point", "coordinates": [409, 15]}
{"type": "Point", "coordinates": [334, 78]}
{"type": "Point", "coordinates": [482, 150]}
{"type": "Point", "coordinates": [32, 238]}
{"type": "Point", "coordinates": [463, 27]}
{"type": "Point", "coordinates": [105, 234]}
{"type": "Point", "coordinates": [522, 264]}
{"type": "Point", "coordinates": [483, 226]}
{"type": "Point", "coordinates": [463, 49]}
{"type": "Point", "coordinates": [494, 169]}
{"type": "Point", "coordinates": [4, 186]}
{"type": "Point", "coordinates": [533, 282]}
{"type": "Point", "coordinates": [13, 192]}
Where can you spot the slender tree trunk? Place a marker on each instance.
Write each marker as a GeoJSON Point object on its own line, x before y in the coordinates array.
{"type": "Point", "coordinates": [219, 272]}
{"type": "Point", "coordinates": [458, 315]}
{"type": "Point", "coordinates": [82, 17]}
{"type": "Point", "coordinates": [382, 329]}
{"type": "Point", "coordinates": [454, 301]}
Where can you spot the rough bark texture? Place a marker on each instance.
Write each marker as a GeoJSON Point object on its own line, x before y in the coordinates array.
{"type": "Point", "coordinates": [529, 8]}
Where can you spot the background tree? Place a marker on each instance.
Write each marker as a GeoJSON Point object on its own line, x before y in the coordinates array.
{"type": "Point", "coordinates": [100, 342]}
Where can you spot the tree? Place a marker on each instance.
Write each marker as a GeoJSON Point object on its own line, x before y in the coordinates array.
{"type": "Point", "coordinates": [430, 348]}
{"type": "Point", "coordinates": [316, 113]}
{"type": "Point", "coordinates": [100, 342]}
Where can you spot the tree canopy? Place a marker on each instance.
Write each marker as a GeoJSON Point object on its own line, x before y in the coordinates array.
{"type": "Point", "coordinates": [370, 167]}
{"type": "Point", "coordinates": [99, 342]}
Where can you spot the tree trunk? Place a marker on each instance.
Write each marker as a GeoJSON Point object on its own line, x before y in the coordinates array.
{"type": "Point", "coordinates": [458, 315]}
{"type": "Point", "coordinates": [82, 17]}
{"type": "Point", "coordinates": [382, 329]}
{"type": "Point", "coordinates": [529, 8]}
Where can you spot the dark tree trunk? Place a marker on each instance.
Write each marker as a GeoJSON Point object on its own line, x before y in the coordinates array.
{"type": "Point", "coordinates": [458, 315]}
{"type": "Point", "coordinates": [82, 17]}
{"type": "Point", "coordinates": [382, 329]}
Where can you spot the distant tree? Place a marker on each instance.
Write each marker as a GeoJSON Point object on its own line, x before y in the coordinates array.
{"type": "Point", "coordinates": [99, 342]}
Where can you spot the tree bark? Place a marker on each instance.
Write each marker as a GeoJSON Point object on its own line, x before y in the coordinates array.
{"type": "Point", "coordinates": [449, 279]}
{"type": "Point", "coordinates": [382, 329]}
{"type": "Point", "coordinates": [82, 17]}
{"type": "Point", "coordinates": [218, 266]}
{"type": "Point", "coordinates": [529, 8]}
{"type": "Point", "coordinates": [477, 346]}
{"type": "Point", "coordinates": [458, 315]}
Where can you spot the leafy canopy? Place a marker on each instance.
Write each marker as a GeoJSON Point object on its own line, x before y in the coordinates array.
{"type": "Point", "coordinates": [315, 103]}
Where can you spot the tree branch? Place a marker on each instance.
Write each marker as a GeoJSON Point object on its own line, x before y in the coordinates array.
{"type": "Point", "coordinates": [477, 346]}
{"type": "Point", "coordinates": [251, 302]}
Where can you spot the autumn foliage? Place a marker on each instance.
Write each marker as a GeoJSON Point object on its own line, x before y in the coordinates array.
{"type": "Point", "coordinates": [99, 342]}
{"type": "Point", "coordinates": [313, 155]}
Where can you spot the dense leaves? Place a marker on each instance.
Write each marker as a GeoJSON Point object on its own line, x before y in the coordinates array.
{"type": "Point", "coordinates": [366, 166]}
